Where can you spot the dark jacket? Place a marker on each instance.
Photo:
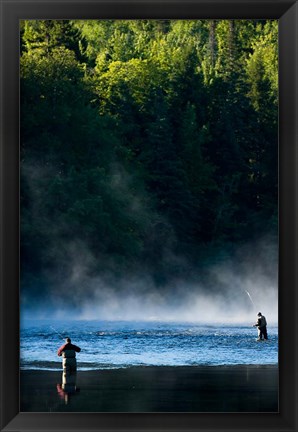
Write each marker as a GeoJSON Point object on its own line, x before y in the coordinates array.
{"type": "Point", "coordinates": [261, 323]}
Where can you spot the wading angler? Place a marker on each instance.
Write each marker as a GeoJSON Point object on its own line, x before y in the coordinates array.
{"type": "Point", "coordinates": [68, 352]}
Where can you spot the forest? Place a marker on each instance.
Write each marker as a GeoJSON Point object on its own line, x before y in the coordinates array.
{"type": "Point", "coordinates": [146, 146]}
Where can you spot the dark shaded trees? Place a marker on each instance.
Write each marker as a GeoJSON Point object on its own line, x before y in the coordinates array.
{"type": "Point", "coordinates": [143, 140]}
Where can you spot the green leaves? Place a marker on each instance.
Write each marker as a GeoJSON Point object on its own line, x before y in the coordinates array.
{"type": "Point", "coordinates": [146, 139]}
{"type": "Point", "coordinates": [262, 68]}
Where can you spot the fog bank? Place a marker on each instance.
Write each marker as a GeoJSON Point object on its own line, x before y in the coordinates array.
{"type": "Point", "coordinates": [233, 291]}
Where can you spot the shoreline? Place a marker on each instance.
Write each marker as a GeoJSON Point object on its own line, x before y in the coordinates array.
{"type": "Point", "coordinates": [227, 388]}
{"type": "Point", "coordinates": [143, 366]}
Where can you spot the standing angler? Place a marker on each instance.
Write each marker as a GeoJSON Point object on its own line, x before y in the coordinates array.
{"type": "Point", "coordinates": [68, 352]}
{"type": "Point", "coordinates": [262, 327]}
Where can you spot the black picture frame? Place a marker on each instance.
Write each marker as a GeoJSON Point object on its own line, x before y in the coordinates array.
{"type": "Point", "coordinates": [286, 11]}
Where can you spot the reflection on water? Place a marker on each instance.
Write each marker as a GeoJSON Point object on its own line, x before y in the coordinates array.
{"type": "Point", "coordinates": [68, 388]}
{"type": "Point", "coordinates": [153, 389]}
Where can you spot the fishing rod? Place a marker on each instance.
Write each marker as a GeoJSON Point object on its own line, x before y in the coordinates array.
{"type": "Point", "coordinates": [57, 332]}
{"type": "Point", "coordinates": [249, 296]}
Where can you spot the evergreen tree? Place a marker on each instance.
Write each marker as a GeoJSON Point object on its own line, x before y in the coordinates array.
{"type": "Point", "coordinates": [145, 142]}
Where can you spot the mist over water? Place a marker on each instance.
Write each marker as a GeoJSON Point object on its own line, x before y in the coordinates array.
{"type": "Point", "coordinates": [192, 308]}
{"type": "Point", "coordinates": [232, 287]}
{"type": "Point", "coordinates": [230, 292]}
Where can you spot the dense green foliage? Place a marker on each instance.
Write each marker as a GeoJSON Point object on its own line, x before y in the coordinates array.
{"type": "Point", "coordinates": [145, 145]}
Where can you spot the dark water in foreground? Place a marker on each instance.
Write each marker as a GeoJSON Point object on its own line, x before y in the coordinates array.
{"type": "Point", "coordinates": [249, 388]}
{"type": "Point", "coordinates": [108, 345]}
